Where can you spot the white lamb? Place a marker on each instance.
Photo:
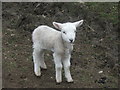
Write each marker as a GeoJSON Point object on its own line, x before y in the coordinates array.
{"type": "Point", "coordinates": [61, 43]}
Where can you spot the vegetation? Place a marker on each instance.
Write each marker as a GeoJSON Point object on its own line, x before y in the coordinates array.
{"type": "Point", "coordinates": [108, 11]}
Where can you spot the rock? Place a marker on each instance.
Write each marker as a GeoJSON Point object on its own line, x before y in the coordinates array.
{"type": "Point", "coordinates": [102, 80]}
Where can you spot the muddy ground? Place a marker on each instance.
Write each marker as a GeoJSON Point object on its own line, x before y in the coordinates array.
{"type": "Point", "coordinates": [95, 47]}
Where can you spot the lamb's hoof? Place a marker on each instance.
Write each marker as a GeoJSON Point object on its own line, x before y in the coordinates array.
{"type": "Point", "coordinates": [44, 67]}
{"type": "Point", "coordinates": [70, 81]}
{"type": "Point", "coordinates": [58, 81]}
{"type": "Point", "coordinates": [38, 74]}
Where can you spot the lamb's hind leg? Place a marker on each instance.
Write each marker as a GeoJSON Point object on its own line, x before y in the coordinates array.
{"type": "Point", "coordinates": [36, 60]}
{"type": "Point", "coordinates": [42, 63]}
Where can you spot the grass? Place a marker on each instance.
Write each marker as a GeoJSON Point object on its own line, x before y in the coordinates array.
{"type": "Point", "coordinates": [107, 10]}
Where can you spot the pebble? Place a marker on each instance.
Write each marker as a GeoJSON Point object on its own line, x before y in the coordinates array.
{"type": "Point", "coordinates": [51, 77]}
{"type": "Point", "coordinates": [100, 72]}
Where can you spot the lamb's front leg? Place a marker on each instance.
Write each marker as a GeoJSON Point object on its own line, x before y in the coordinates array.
{"type": "Point", "coordinates": [66, 63]}
{"type": "Point", "coordinates": [58, 67]}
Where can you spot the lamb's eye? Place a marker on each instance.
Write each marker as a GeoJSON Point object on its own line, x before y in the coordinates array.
{"type": "Point", "coordinates": [64, 32]}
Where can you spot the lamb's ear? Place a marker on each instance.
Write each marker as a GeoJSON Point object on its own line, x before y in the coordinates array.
{"type": "Point", "coordinates": [78, 23]}
{"type": "Point", "coordinates": [57, 25]}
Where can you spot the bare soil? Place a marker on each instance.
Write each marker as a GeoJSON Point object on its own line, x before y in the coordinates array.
{"type": "Point", "coordinates": [95, 47]}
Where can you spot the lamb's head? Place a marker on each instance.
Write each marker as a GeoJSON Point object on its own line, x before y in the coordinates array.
{"type": "Point", "coordinates": [68, 30]}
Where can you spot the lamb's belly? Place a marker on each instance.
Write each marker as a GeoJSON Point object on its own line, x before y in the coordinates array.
{"type": "Point", "coordinates": [48, 48]}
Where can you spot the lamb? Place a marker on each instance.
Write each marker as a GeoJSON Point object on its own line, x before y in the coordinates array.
{"type": "Point", "coordinates": [60, 42]}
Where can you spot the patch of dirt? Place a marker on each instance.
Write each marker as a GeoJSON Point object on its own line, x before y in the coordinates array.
{"type": "Point", "coordinates": [95, 47]}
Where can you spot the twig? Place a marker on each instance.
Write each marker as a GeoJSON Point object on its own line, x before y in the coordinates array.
{"type": "Point", "coordinates": [90, 27]}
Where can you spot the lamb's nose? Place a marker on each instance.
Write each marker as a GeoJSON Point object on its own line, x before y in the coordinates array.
{"type": "Point", "coordinates": [71, 40]}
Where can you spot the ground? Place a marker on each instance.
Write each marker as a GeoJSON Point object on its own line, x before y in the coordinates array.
{"type": "Point", "coordinates": [94, 58]}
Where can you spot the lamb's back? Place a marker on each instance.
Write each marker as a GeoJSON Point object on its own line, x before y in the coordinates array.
{"type": "Point", "coordinates": [46, 36]}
